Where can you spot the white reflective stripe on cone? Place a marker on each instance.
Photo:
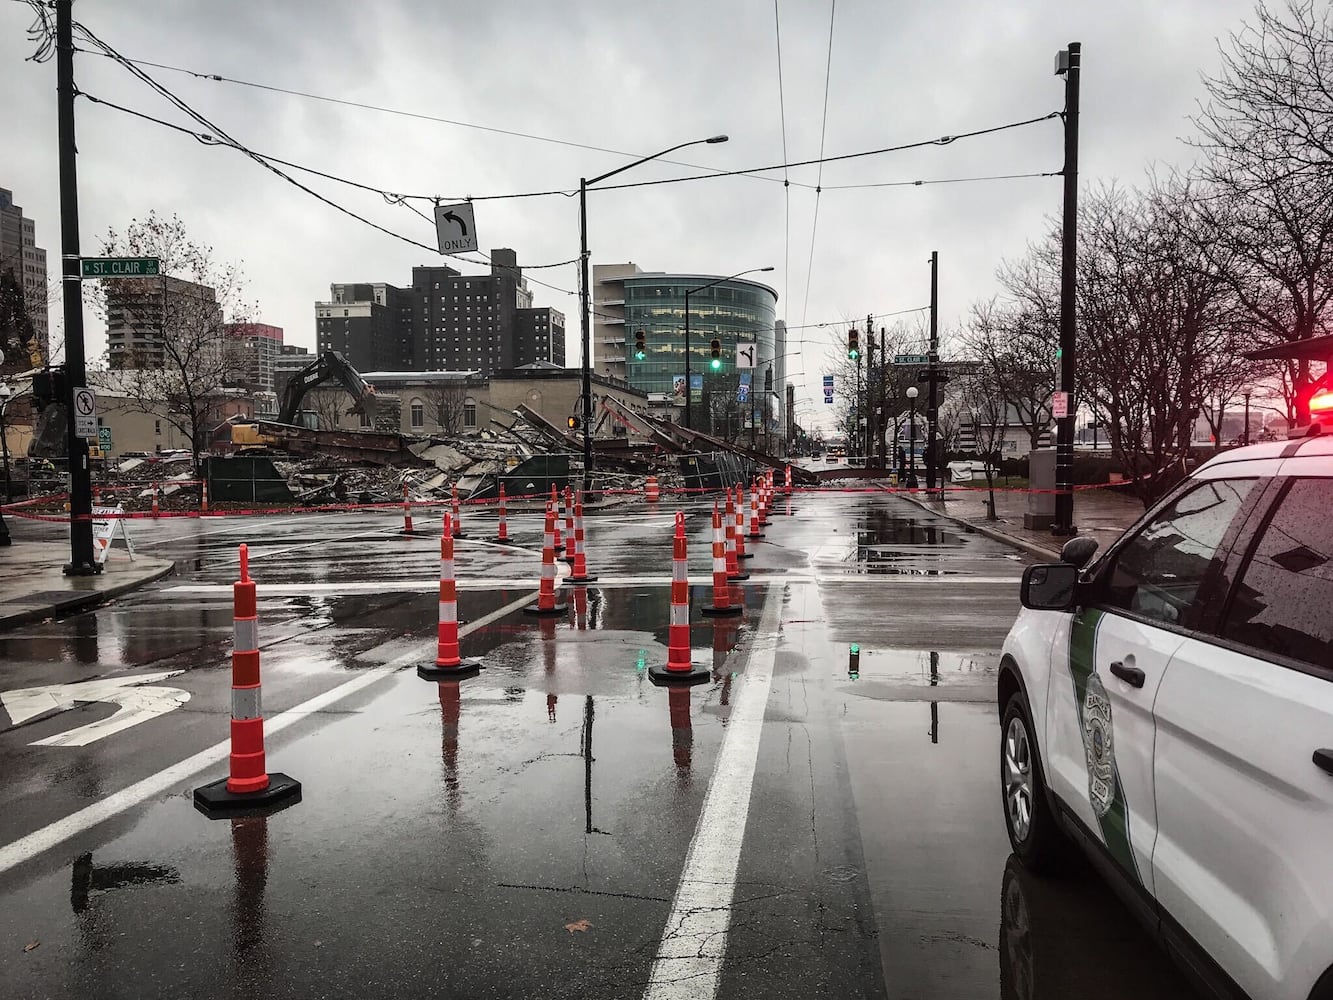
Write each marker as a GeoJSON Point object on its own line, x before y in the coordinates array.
{"type": "Point", "coordinates": [245, 703]}
{"type": "Point", "coordinates": [245, 635]}
{"type": "Point", "coordinates": [680, 614]}
{"type": "Point", "coordinates": [680, 570]}
{"type": "Point", "coordinates": [719, 564]}
{"type": "Point", "coordinates": [446, 569]}
{"type": "Point", "coordinates": [548, 571]}
{"type": "Point", "coordinates": [448, 611]}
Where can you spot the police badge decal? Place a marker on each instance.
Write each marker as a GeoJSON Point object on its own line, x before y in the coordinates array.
{"type": "Point", "coordinates": [1098, 746]}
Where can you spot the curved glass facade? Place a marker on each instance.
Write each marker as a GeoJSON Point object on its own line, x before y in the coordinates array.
{"type": "Point", "coordinates": [732, 311]}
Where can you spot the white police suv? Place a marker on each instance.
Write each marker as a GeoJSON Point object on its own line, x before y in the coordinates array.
{"type": "Point", "coordinates": [1169, 708]}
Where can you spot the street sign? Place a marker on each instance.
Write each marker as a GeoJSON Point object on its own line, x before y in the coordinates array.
{"type": "Point", "coordinates": [104, 439]}
{"type": "Point", "coordinates": [828, 390]}
{"type": "Point", "coordinates": [911, 359]}
{"type": "Point", "coordinates": [85, 413]}
{"type": "Point", "coordinates": [1059, 405]}
{"type": "Point", "coordinates": [121, 267]}
{"type": "Point", "coordinates": [137, 699]}
{"type": "Point", "coordinates": [745, 354]}
{"type": "Point", "coordinates": [456, 228]}
{"type": "Point", "coordinates": [743, 388]}
{"type": "Point", "coordinates": [938, 376]}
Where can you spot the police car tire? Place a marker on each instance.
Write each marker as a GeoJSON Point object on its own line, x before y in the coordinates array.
{"type": "Point", "coordinates": [1045, 848]}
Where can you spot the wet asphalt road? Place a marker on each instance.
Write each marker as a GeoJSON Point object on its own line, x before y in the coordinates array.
{"type": "Point", "coordinates": [528, 832]}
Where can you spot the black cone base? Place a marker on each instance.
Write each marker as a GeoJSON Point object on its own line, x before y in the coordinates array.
{"type": "Point", "coordinates": [723, 612]}
{"type": "Point", "coordinates": [744, 555]}
{"type": "Point", "coordinates": [733, 577]}
{"type": "Point", "coordinates": [460, 672]}
{"type": "Point", "coordinates": [661, 676]}
{"type": "Point", "coordinates": [580, 580]}
{"type": "Point", "coordinates": [559, 609]}
{"type": "Point", "coordinates": [215, 802]}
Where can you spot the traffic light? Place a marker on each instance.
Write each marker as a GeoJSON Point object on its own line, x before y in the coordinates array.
{"type": "Point", "coordinates": [717, 354]}
{"type": "Point", "coordinates": [572, 423]}
{"type": "Point", "coordinates": [640, 348]}
{"type": "Point", "coordinates": [853, 344]}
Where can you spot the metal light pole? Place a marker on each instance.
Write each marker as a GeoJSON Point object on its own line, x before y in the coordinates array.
{"type": "Point", "coordinates": [932, 400]}
{"type": "Point", "coordinates": [4, 444]}
{"type": "Point", "coordinates": [1245, 436]}
{"type": "Point", "coordinates": [1067, 63]}
{"type": "Point", "coordinates": [81, 561]}
{"type": "Point", "coordinates": [584, 291]}
{"type": "Point", "coordinates": [911, 438]}
{"type": "Point", "coordinates": [688, 293]}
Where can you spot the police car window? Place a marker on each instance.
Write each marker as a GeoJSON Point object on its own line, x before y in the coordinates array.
{"type": "Point", "coordinates": [1158, 573]}
{"type": "Point", "coordinates": [1285, 592]}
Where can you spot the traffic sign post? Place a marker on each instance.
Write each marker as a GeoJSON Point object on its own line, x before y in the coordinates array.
{"type": "Point", "coordinates": [828, 390]}
{"type": "Point", "coordinates": [121, 267]}
{"type": "Point", "coordinates": [104, 439]}
{"type": "Point", "coordinates": [1059, 405]}
{"type": "Point", "coordinates": [745, 354]}
{"type": "Point", "coordinates": [456, 228]}
{"type": "Point", "coordinates": [911, 359]}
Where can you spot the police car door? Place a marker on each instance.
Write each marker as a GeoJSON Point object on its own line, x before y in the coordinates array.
{"type": "Point", "coordinates": [1244, 773]}
{"type": "Point", "coordinates": [1148, 594]}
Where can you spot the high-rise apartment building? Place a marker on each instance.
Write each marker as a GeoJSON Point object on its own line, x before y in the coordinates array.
{"type": "Point", "coordinates": [141, 314]}
{"type": "Point", "coordinates": [256, 347]}
{"type": "Point", "coordinates": [20, 253]}
{"type": "Point", "coordinates": [446, 321]}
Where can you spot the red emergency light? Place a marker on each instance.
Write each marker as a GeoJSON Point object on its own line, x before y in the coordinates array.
{"type": "Point", "coordinates": [1322, 401]}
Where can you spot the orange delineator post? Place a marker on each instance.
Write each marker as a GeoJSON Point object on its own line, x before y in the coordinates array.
{"type": "Point", "coordinates": [786, 484]}
{"type": "Point", "coordinates": [559, 541]}
{"type": "Point", "coordinates": [580, 572]}
{"type": "Point", "coordinates": [448, 664]}
{"type": "Point", "coordinates": [568, 508]}
{"type": "Point", "coordinates": [729, 515]}
{"type": "Point", "coordinates": [458, 514]}
{"type": "Point", "coordinates": [248, 787]}
{"type": "Point", "coordinates": [502, 532]}
{"type": "Point", "coordinates": [407, 511]}
{"type": "Point", "coordinates": [740, 524]}
{"type": "Point", "coordinates": [203, 496]}
{"type": "Point", "coordinates": [679, 669]}
{"type": "Point", "coordinates": [721, 590]}
{"type": "Point", "coordinates": [546, 602]}
{"type": "Point", "coordinates": [651, 494]}
{"type": "Point", "coordinates": [755, 531]}
{"type": "Point", "coordinates": [157, 510]}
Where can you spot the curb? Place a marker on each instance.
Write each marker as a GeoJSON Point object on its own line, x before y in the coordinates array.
{"type": "Point", "coordinates": [1031, 548]}
{"type": "Point", "coordinates": [82, 600]}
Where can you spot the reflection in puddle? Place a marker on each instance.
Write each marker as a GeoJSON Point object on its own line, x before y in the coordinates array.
{"type": "Point", "coordinates": [929, 667]}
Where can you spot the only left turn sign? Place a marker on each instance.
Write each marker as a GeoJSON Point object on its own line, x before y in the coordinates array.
{"type": "Point", "coordinates": [456, 228]}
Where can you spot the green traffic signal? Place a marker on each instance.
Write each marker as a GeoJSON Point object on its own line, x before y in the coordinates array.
{"type": "Point", "coordinates": [716, 363]}
{"type": "Point", "coordinates": [639, 355]}
{"type": "Point", "coordinates": [853, 354]}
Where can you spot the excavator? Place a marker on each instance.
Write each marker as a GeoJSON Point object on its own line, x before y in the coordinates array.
{"type": "Point", "coordinates": [297, 430]}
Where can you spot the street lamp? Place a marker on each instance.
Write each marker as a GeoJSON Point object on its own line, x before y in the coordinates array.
{"type": "Point", "coordinates": [688, 293]}
{"type": "Point", "coordinates": [584, 298]}
{"type": "Point", "coordinates": [4, 445]}
{"type": "Point", "coordinates": [911, 438]}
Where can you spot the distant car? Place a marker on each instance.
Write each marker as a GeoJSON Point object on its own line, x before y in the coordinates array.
{"type": "Point", "coordinates": [1169, 709]}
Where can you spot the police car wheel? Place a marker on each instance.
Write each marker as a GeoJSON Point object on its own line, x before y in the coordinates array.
{"type": "Point", "coordinates": [1033, 833]}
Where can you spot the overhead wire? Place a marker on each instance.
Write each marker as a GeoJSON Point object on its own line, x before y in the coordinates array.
{"type": "Point", "coordinates": [819, 180]}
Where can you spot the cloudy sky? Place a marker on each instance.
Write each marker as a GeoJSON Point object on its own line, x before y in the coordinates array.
{"type": "Point", "coordinates": [630, 78]}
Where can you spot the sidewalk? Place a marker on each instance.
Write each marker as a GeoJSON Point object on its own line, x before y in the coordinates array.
{"type": "Point", "coordinates": [33, 586]}
{"type": "Point", "coordinates": [1099, 514]}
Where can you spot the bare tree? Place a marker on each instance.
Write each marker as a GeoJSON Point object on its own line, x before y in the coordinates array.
{"type": "Point", "coordinates": [982, 401]}
{"type": "Point", "coordinates": [1269, 163]}
{"type": "Point", "coordinates": [185, 361]}
{"type": "Point", "coordinates": [444, 403]}
{"type": "Point", "coordinates": [1015, 346]}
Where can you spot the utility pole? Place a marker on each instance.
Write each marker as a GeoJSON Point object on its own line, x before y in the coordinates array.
{"type": "Point", "coordinates": [872, 416]}
{"type": "Point", "coordinates": [81, 561]}
{"type": "Point", "coordinates": [1068, 63]}
{"type": "Point", "coordinates": [932, 396]}
{"type": "Point", "coordinates": [885, 420]}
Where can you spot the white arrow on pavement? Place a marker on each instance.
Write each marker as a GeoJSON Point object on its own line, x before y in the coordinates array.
{"type": "Point", "coordinates": [137, 702]}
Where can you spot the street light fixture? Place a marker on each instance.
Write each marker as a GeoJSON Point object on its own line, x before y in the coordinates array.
{"type": "Point", "coordinates": [584, 296]}
{"type": "Point", "coordinates": [688, 293]}
{"type": "Point", "coordinates": [911, 439]}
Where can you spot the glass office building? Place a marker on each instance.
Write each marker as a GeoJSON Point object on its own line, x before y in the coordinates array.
{"type": "Point", "coordinates": [731, 312]}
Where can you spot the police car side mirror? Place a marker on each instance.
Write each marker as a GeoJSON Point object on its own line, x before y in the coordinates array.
{"type": "Point", "coordinates": [1049, 587]}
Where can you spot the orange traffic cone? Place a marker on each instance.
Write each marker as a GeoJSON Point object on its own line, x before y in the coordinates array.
{"type": "Point", "coordinates": [755, 530]}
{"type": "Point", "coordinates": [740, 524]}
{"type": "Point", "coordinates": [721, 591]}
{"type": "Point", "coordinates": [203, 496]}
{"type": "Point", "coordinates": [407, 512]}
{"type": "Point", "coordinates": [157, 510]}
{"type": "Point", "coordinates": [786, 483]}
{"type": "Point", "coordinates": [448, 664]}
{"type": "Point", "coordinates": [458, 514]}
{"type": "Point", "coordinates": [502, 532]}
{"type": "Point", "coordinates": [580, 560]}
{"type": "Point", "coordinates": [651, 494]}
{"type": "Point", "coordinates": [733, 567]}
{"type": "Point", "coordinates": [546, 602]}
{"type": "Point", "coordinates": [249, 789]}
{"type": "Point", "coordinates": [679, 669]}
{"type": "Point", "coordinates": [568, 508]}
{"type": "Point", "coordinates": [559, 540]}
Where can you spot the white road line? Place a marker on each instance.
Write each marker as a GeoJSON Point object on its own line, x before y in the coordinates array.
{"type": "Point", "coordinates": [694, 943]}
{"type": "Point", "coordinates": [35, 843]}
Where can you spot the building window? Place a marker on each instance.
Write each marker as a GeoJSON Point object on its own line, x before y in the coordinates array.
{"type": "Point", "coordinates": [365, 419]}
{"type": "Point", "coordinates": [469, 413]}
{"type": "Point", "coordinates": [157, 427]}
{"type": "Point", "coordinates": [418, 411]}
